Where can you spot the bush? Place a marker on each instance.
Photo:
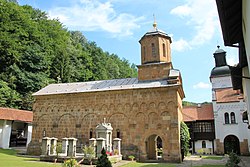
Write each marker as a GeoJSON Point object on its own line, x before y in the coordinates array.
{"type": "Point", "coordinates": [233, 160]}
{"type": "Point", "coordinates": [185, 137]}
{"type": "Point", "coordinates": [70, 163]}
{"type": "Point", "coordinates": [103, 160]}
{"type": "Point", "coordinates": [89, 153]}
{"type": "Point", "coordinates": [131, 157]}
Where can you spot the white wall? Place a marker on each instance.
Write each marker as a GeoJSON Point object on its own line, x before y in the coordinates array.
{"type": "Point", "coordinates": [1, 132]}
{"type": "Point", "coordinates": [221, 82]}
{"type": "Point", "coordinates": [29, 133]}
{"type": "Point", "coordinates": [246, 35]}
{"type": "Point", "coordinates": [207, 150]}
{"type": "Point", "coordinates": [239, 129]}
{"type": "Point", "coordinates": [5, 131]}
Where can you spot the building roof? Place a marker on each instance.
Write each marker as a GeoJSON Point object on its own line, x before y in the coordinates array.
{"type": "Point", "coordinates": [105, 85]}
{"type": "Point", "coordinates": [16, 115]}
{"type": "Point", "coordinates": [201, 112]}
{"type": "Point", "coordinates": [227, 95]}
{"type": "Point", "coordinates": [220, 71]}
{"type": "Point", "coordinates": [230, 14]}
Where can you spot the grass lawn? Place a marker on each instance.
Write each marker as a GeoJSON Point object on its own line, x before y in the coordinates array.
{"type": "Point", "coordinates": [211, 166]}
{"type": "Point", "coordinates": [9, 158]}
{"type": "Point", "coordinates": [137, 164]}
{"type": "Point", "coordinates": [213, 157]}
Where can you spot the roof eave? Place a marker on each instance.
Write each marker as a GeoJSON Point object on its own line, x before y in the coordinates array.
{"type": "Point", "coordinates": [230, 15]}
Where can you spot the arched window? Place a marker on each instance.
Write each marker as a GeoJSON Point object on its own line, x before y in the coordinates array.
{"type": "Point", "coordinates": [153, 49]}
{"type": "Point", "coordinates": [118, 135]}
{"type": "Point", "coordinates": [232, 116]}
{"type": "Point", "coordinates": [91, 133]}
{"type": "Point", "coordinates": [226, 115]}
{"type": "Point", "coordinates": [144, 53]}
{"type": "Point", "coordinates": [164, 50]}
{"type": "Point", "coordinates": [203, 144]}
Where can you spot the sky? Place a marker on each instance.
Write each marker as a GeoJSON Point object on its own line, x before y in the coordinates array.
{"type": "Point", "coordinates": [117, 25]}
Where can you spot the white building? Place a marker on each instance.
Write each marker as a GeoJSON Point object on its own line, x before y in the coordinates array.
{"type": "Point", "coordinates": [200, 121]}
{"type": "Point", "coordinates": [231, 133]}
{"type": "Point", "coordinates": [15, 127]}
{"type": "Point", "coordinates": [235, 24]}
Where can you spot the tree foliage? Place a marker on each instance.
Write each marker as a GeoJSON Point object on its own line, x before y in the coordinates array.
{"type": "Point", "coordinates": [103, 160]}
{"type": "Point", "coordinates": [36, 51]}
{"type": "Point", "coordinates": [185, 137]}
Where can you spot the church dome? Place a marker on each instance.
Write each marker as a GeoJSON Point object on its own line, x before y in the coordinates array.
{"type": "Point", "coordinates": [220, 71]}
{"type": "Point", "coordinates": [221, 68]}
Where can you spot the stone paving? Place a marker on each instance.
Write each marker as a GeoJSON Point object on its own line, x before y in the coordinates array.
{"type": "Point", "coordinates": [197, 161]}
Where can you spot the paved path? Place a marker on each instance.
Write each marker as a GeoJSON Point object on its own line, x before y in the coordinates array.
{"type": "Point", "coordinates": [197, 161]}
{"type": "Point", "coordinates": [188, 161]}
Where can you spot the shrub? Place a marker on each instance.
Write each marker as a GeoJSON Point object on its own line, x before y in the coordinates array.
{"type": "Point", "coordinates": [70, 163]}
{"type": "Point", "coordinates": [103, 160]}
{"type": "Point", "coordinates": [58, 148]}
{"type": "Point", "coordinates": [233, 160]}
{"type": "Point", "coordinates": [131, 157]}
{"type": "Point", "coordinates": [89, 153]}
{"type": "Point", "coordinates": [185, 137]}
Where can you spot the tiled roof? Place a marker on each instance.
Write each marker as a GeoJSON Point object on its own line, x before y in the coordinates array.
{"type": "Point", "coordinates": [227, 95]}
{"type": "Point", "coordinates": [15, 114]}
{"type": "Point", "coordinates": [104, 85]}
{"type": "Point", "coordinates": [195, 113]}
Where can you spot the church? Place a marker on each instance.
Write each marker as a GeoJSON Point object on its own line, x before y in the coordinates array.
{"type": "Point", "coordinates": [145, 112]}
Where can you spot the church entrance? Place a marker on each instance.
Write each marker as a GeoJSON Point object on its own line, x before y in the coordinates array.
{"type": "Point", "coordinates": [231, 144]}
{"type": "Point", "coordinates": [154, 147]}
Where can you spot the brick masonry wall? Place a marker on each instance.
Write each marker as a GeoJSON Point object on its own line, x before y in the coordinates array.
{"type": "Point", "coordinates": [154, 71]}
{"type": "Point", "coordinates": [243, 147]}
{"type": "Point", "coordinates": [137, 113]}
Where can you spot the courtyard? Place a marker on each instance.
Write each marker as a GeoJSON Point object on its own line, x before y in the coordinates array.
{"type": "Point", "coordinates": [14, 158]}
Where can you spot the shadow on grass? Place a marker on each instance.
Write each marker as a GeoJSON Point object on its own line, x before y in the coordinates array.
{"type": "Point", "coordinates": [7, 151]}
{"type": "Point", "coordinates": [31, 159]}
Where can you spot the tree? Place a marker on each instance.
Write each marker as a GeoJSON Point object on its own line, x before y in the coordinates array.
{"type": "Point", "coordinates": [103, 160]}
{"type": "Point", "coordinates": [185, 137]}
{"type": "Point", "coordinates": [89, 153]}
{"type": "Point", "coordinates": [35, 51]}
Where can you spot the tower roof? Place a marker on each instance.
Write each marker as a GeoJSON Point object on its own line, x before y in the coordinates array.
{"type": "Point", "coordinates": [221, 68]}
{"type": "Point", "coordinates": [156, 31]}
{"type": "Point", "coordinates": [219, 50]}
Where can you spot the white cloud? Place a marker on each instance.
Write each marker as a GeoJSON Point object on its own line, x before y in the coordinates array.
{"type": "Point", "coordinates": [181, 11]}
{"type": "Point", "coordinates": [202, 85]}
{"type": "Point", "coordinates": [232, 60]}
{"type": "Point", "coordinates": [92, 15]}
{"type": "Point", "coordinates": [202, 16]}
{"type": "Point", "coordinates": [180, 45]}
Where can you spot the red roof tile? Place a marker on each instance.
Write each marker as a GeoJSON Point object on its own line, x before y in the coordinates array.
{"type": "Point", "coordinates": [194, 113]}
{"type": "Point", "coordinates": [227, 95]}
{"type": "Point", "coordinates": [15, 114]}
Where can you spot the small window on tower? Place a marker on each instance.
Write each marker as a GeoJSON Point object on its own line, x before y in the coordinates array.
{"type": "Point", "coordinates": [153, 49]}
{"type": "Point", "coordinates": [164, 50]}
{"type": "Point", "coordinates": [144, 53]}
{"type": "Point", "coordinates": [91, 133]}
{"type": "Point", "coordinates": [118, 135]}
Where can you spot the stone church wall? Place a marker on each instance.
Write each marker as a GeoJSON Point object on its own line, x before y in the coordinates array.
{"type": "Point", "coordinates": [136, 114]}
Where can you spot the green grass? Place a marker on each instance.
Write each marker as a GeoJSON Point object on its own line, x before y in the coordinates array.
{"type": "Point", "coordinates": [9, 158]}
{"type": "Point", "coordinates": [211, 166]}
{"type": "Point", "coordinates": [213, 157]}
{"type": "Point", "coordinates": [137, 164]}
